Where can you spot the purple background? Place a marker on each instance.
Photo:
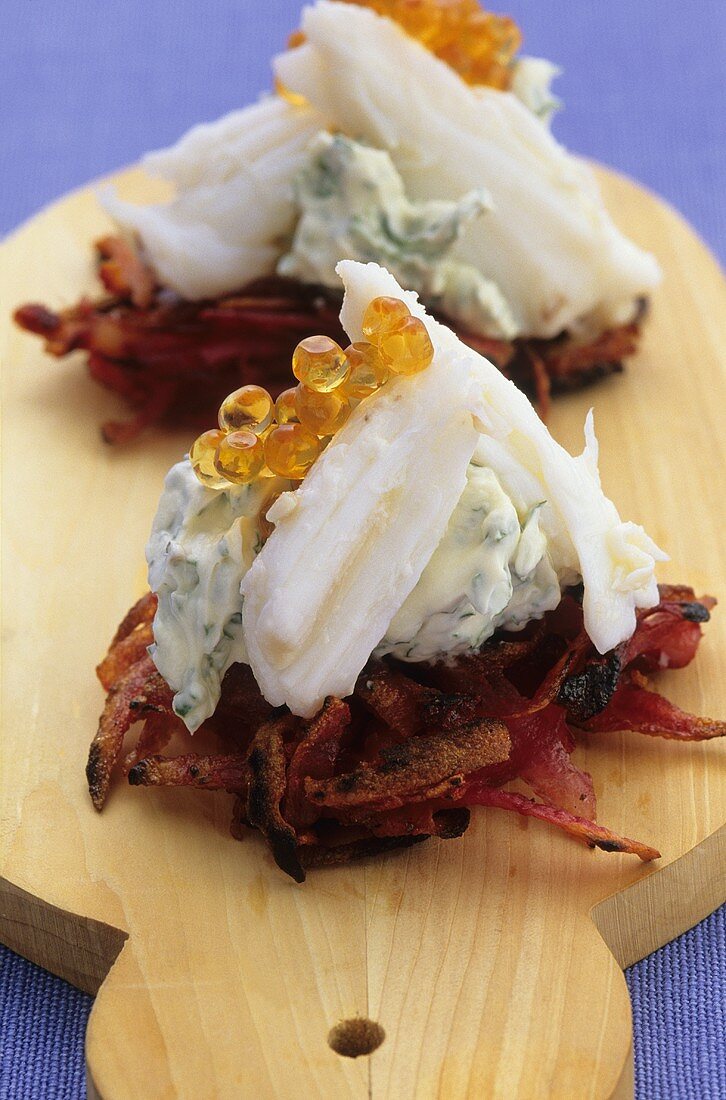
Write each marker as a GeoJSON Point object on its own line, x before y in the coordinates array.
{"type": "Point", "coordinates": [86, 86]}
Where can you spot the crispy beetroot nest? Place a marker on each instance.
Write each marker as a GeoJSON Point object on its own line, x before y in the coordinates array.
{"type": "Point", "coordinates": [416, 746]}
{"type": "Point", "coordinates": [174, 361]}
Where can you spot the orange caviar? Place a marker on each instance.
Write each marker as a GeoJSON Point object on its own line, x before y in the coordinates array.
{"type": "Point", "coordinates": [407, 348]}
{"type": "Point", "coordinates": [285, 410]}
{"type": "Point", "coordinates": [319, 363]}
{"type": "Point", "coordinates": [240, 457]}
{"type": "Point", "coordinates": [321, 413]}
{"type": "Point", "coordinates": [258, 437]}
{"type": "Point", "coordinates": [479, 45]}
{"type": "Point", "coordinates": [202, 454]}
{"type": "Point", "coordinates": [248, 407]}
{"type": "Point", "coordinates": [290, 450]}
{"type": "Point", "coordinates": [368, 371]}
{"type": "Point", "coordinates": [382, 315]}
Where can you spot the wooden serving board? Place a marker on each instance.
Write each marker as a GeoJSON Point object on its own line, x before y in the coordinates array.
{"type": "Point", "coordinates": [493, 962]}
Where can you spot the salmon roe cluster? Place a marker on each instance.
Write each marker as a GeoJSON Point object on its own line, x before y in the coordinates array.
{"type": "Point", "coordinates": [258, 437]}
{"type": "Point", "coordinates": [479, 45]}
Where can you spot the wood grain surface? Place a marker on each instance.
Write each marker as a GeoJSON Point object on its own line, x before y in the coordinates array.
{"type": "Point", "coordinates": [479, 957]}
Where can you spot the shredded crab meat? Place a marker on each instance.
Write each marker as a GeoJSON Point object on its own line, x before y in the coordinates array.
{"type": "Point", "coordinates": [415, 748]}
{"type": "Point", "coordinates": [174, 361]}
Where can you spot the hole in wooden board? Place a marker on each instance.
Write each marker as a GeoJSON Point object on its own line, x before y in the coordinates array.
{"type": "Point", "coordinates": [352, 1038]}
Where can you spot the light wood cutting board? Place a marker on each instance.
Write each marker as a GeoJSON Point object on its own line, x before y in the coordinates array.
{"type": "Point", "coordinates": [481, 958]}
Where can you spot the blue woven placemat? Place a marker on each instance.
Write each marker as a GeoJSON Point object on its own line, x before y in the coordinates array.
{"type": "Point", "coordinates": [42, 1028]}
{"type": "Point", "coordinates": [679, 1016]}
{"type": "Point", "coordinates": [87, 86]}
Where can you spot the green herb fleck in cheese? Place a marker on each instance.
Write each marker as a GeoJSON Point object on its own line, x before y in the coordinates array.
{"type": "Point", "coordinates": [353, 203]}
{"type": "Point", "coordinates": [488, 572]}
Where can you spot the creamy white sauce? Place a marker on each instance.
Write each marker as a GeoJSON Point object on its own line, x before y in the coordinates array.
{"type": "Point", "coordinates": [489, 571]}
{"type": "Point", "coordinates": [201, 545]}
{"type": "Point", "coordinates": [352, 202]}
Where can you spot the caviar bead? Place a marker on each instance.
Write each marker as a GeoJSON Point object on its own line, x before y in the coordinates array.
{"type": "Point", "coordinates": [321, 413]}
{"type": "Point", "coordinates": [248, 407]}
{"type": "Point", "coordinates": [407, 349]}
{"type": "Point", "coordinates": [285, 410]}
{"type": "Point", "coordinates": [290, 450]}
{"type": "Point", "coordinates": [368, 370]}
{"type": "Point", "coordinates": [480, 46]}
{"type": "Point", "coordinates": [294, 98]}
{"type": "Point", "coordinates": [319, 363]}
{"type": "Point", "coordinates": [240, 456]}
{"type": "Point", "coordinates": [201, 455]}
{"type": "Point", "coordinates": [383, 315]}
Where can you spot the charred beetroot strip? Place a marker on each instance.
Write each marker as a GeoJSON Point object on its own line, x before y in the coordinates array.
{"type": "Point", "coordinates": [175, 360]}
{"type": "Point", "coordinates": [218, 772]}
{"type": "Point", "coordinates": [414, 768]}
{"type": "Point", "coordinates": [143, 611]}
{"type": "Point", "coordinates": [124, 654]}
{"type": "Point", "coordinates": [156, 733]}
{"type": "Point", "coordinates": [139, 690]}
{"type": "Point", "coordinates": [315, 757]}
{"type": "Point", "coordinates": [596, 836]}
{"type": "Point", "coordinates": [403, 759]}
{"type": "Point", "coordinates": [633, 707]}
{"type": "Point", "coordinates": [268, 780]}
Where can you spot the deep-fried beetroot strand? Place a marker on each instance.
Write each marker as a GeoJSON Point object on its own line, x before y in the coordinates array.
{"type": "Point", "coordinates": [402, 759]}
{"type": "Point", "coordinates": [143, 611]}
{"type": "Point", "coordinates": [596, 836]}
{"type": "Point", "coordinates": [414, 768]}
{"type": "Point", "coordinates": [217, 772]}
{"type": "Point", "coordinates": [315, 757]}
{"type": "Point", "coordinates": [139, 690]}
{"type": "Point", "coordinates": [174, 361]}
{"type": "Point", "coordinates": [156, 732]}
{"type": "Point", "coordinates": [266, 790]}
{"type": "Point", "coordinates": [634, 707]}
{"type": "Point", "coordinates": [125, 653]}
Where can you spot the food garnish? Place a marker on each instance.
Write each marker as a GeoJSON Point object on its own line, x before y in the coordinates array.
{"type": "Point", "coordinates": [478, 45]}
{"type": "Point", "coordinates": [435, 161]}
{"type": "Point", "coordinates": [250, 443]}
{"type": "Point", "coordinates": [438, 602]}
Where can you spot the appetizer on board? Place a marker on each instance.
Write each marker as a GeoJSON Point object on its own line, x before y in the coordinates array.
{"type": "Point", "coordinates": [406, 132]}
{"type": "Point", "coordinates": [385, 596]}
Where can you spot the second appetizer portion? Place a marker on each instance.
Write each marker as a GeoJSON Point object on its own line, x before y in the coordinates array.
{"type": "Point", "coordinates": [412, 134]}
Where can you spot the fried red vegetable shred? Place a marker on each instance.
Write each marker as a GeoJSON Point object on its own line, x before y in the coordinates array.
{"type": "Point", "coordinates": [216, 772]}
{"type": "Point", "coordinates": [266, 790]}
{"type": "Point", "coordinates": [124, 654]}
{"type": "Point", "coordinates": [314, 758]}
{"type": "Point", "coordinates": [409, 771]}
{"type": "Point", "coordinates": [415, 747]}
{"type": "Point", "coordinates": [143, 611]}
{"type": "Point", "coordinates": [174, 361]}
{"type": "Point", "coordinates": [138, 691]}
{"type": "Point", "coordinates": [634, 707]}
{"type": "Point", "coordinates": [596, 836]}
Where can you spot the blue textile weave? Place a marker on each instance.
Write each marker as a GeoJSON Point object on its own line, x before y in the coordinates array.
{"type": "Point", "coordinates": [42, 1028]}
{"type": "Point", "coordinates": [679, 1016]}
